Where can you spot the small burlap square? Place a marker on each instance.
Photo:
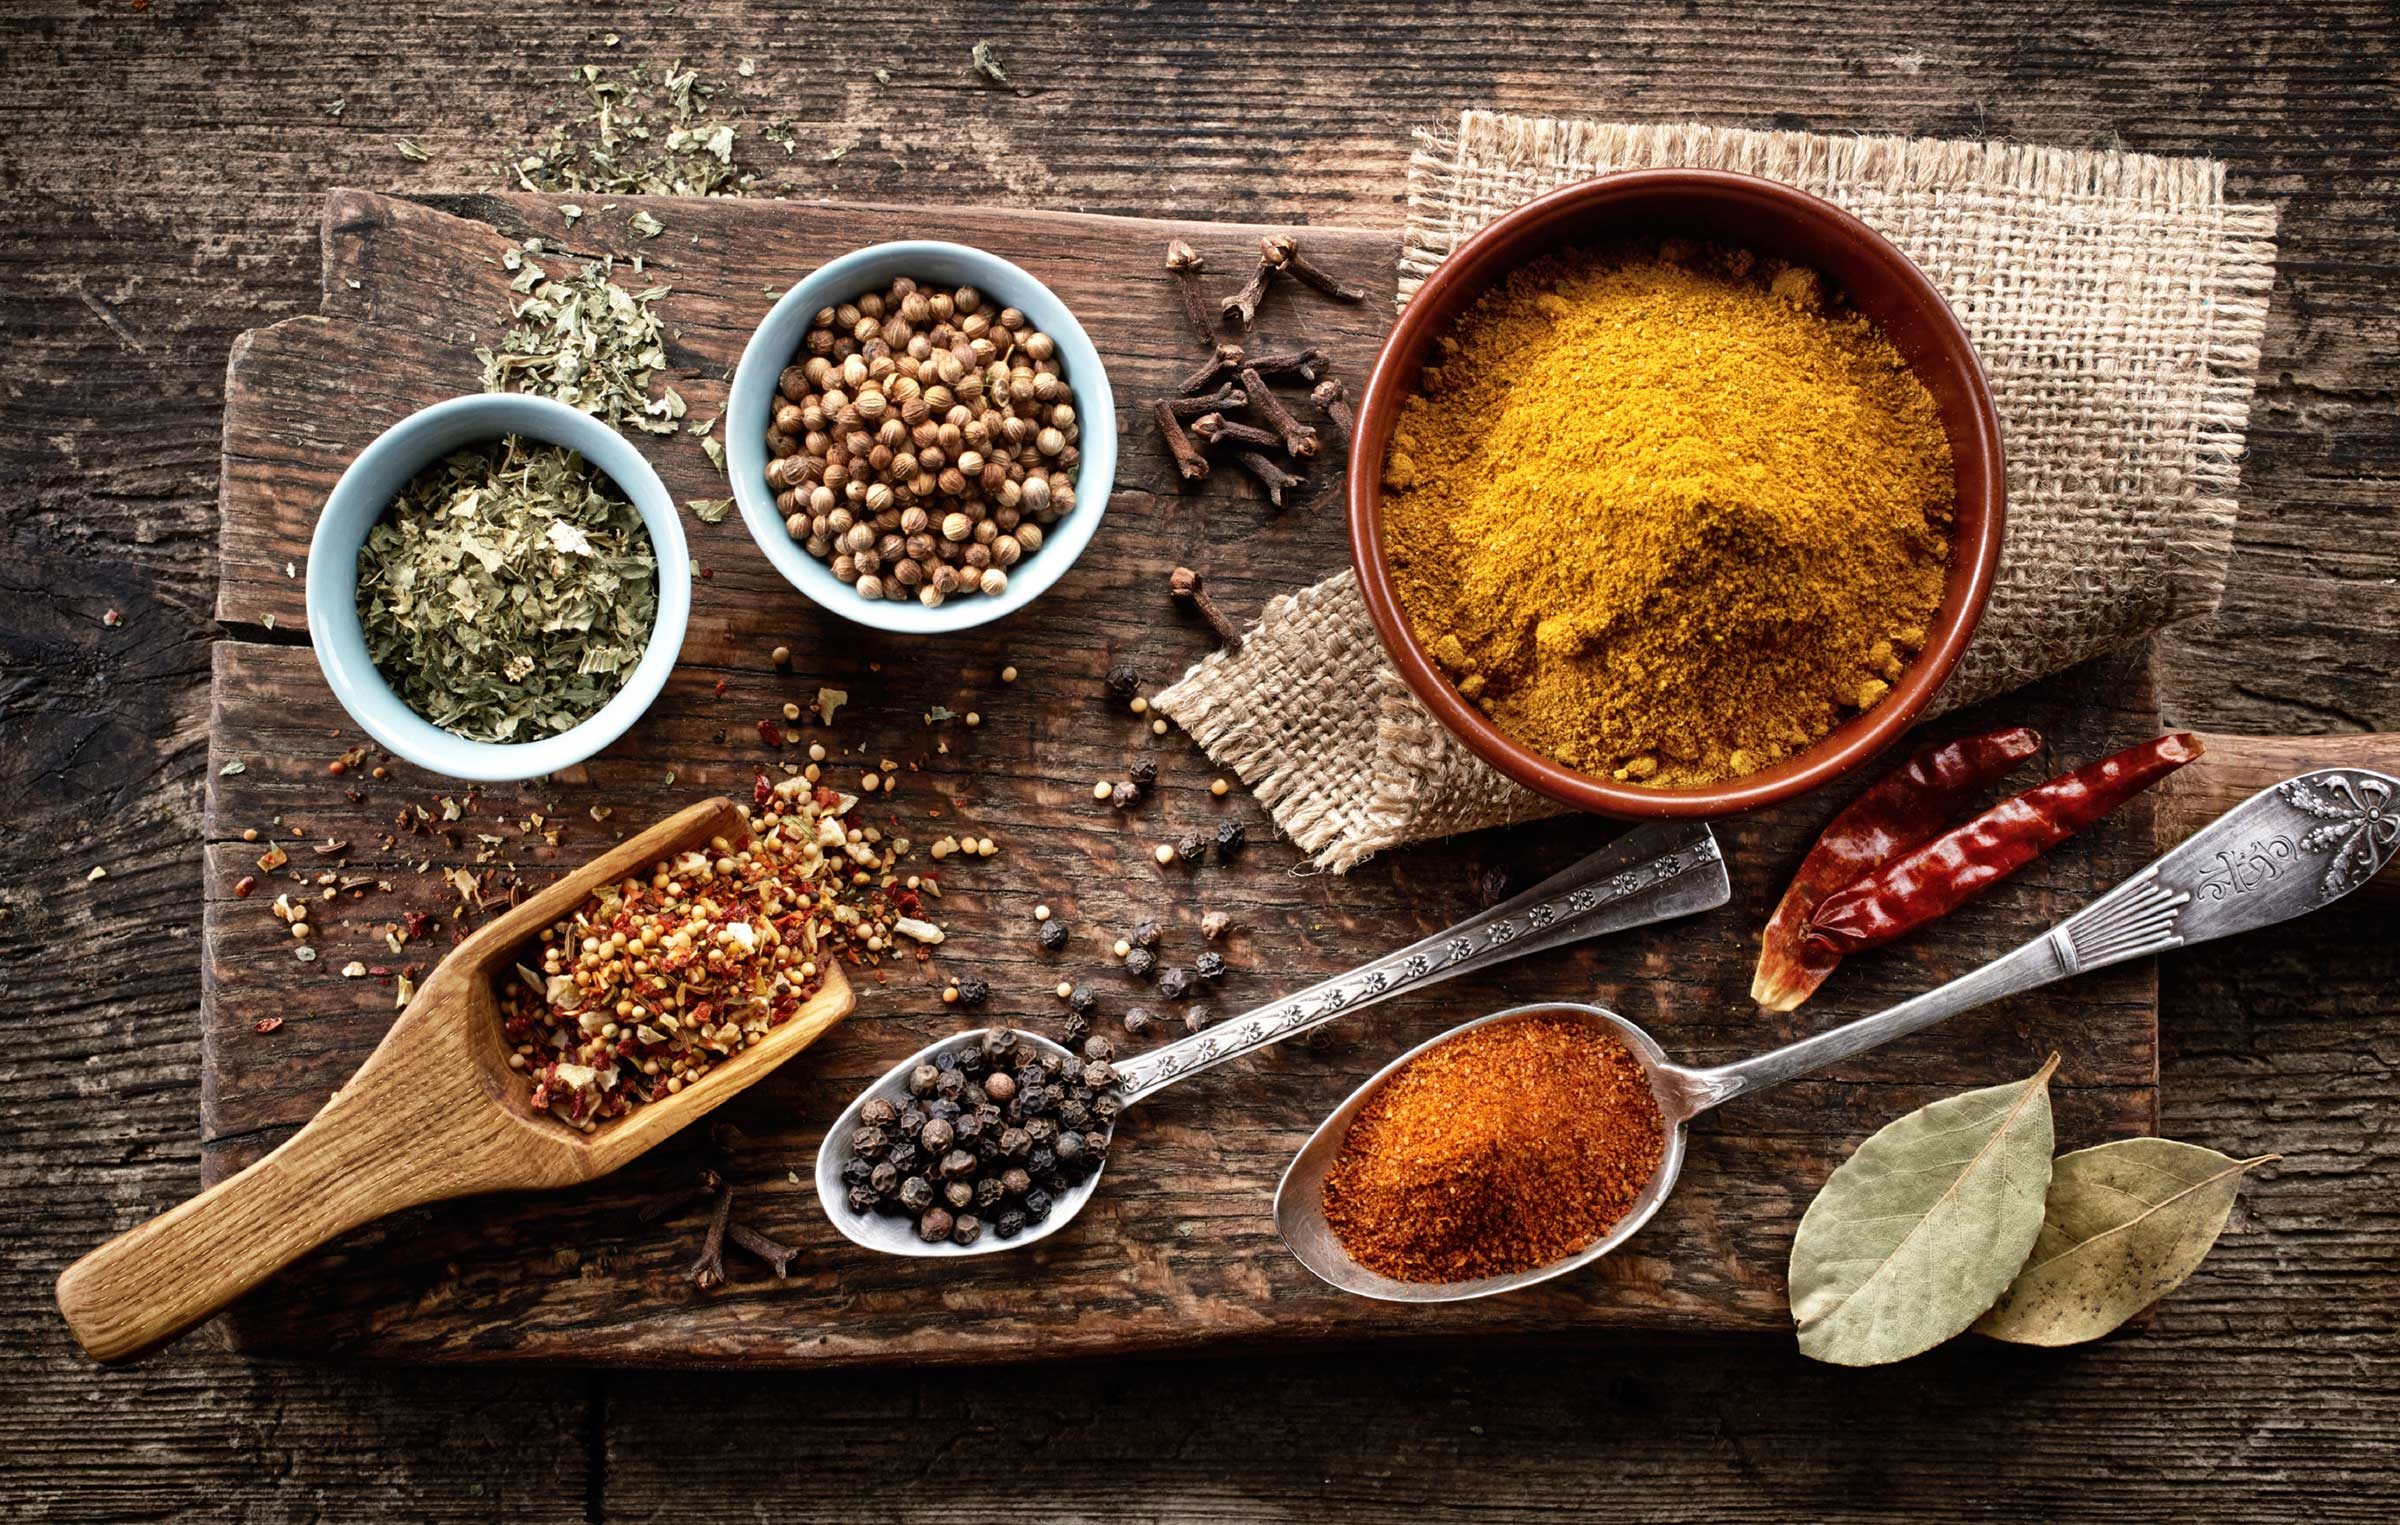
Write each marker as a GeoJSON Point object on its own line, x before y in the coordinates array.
{"type": "Point", "coordinates": [2117, 301]}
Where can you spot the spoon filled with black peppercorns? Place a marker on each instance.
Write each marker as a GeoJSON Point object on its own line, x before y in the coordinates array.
{"type": "Point", "coordinates": [992, 1139]}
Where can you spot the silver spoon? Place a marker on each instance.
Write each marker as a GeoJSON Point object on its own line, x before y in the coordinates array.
{"type": "Point", "coordinates": [2287, 850]}
{"type": "Point", "coordinates": [1652, 873]}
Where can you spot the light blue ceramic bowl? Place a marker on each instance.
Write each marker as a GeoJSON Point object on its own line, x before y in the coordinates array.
{"type": "Point", "coordinates": [933, 264]}
{"type": "Point", "coordinates": [366, 490]}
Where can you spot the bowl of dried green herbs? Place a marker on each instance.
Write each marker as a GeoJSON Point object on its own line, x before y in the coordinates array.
{"type": "Point", "coordinates": [498, 587]}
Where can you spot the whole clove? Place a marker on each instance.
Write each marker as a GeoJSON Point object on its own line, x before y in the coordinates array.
{"type": "Point", "coordinates": [1242, 306]}
{"type": "Point", "coordinates": [1269, 474]}
{"type": "Point", "coordinates": [1283, 251]}
{"type": "Point", "coordinates": [1227, 361]}
{"type": "Point", "coordinates": [755, 1243]}
{"type": "Point", "coordinates": [709, 1270]}
{"type": "Point", "coordinates": [1299, 440]}
{"type": "Point", "coordinates": [1226, 399]}
{"type": "Point", "coordinates": [1187, 587]}
{"type": "Point", "coordinates": [1190, 464]}
{"type": "Point", "coordinates": [676, 1201]}
{"type": "Point", "coordinates": [1217, 429]}
{"type": "Point", "coordinates": [1299, 365]}
{"type": "Point", "coordinates": [1185, 263]}
{"type": "Point", "coordinates": [1341, 421]}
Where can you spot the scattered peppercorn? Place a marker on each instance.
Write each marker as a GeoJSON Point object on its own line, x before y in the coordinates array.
{"type": "Point", "coordinates": [1195, 1018]}
{"type": "Point", "coordinates": [1143, 772]}
{"type": "Point", "coordinates": [1146, 935]}
{"type": "Point", "coordinates": [1175, 982]}
{"type": "Point", "coordinates": [1140, 962]}
{"type": "Point", "coordinates": [1124, 679]}
{"type": "Point", "coordinates": [1139, 1020]}
{"type": "Point", "coordinates": [1081, 1000]}
{"type": "Point", "coordinates": [973, 991]}
{"type": "Point", "coordinates": [1053, 935]}
{"type": "Point", "coordinates": [1231, 838]}
{"type": "Point", "coordinates": [1191, 847]}
{"type": "Point", "coordinates": [1209, 966]}
{"type": "Point", "coordinates": [1214, 925]}
{"type": "Point", "coordinates": [1492, 887]}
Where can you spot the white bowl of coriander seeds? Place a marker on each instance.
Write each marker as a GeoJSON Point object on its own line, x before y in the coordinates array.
{"type": "Point", "coordinates": [907, 437]}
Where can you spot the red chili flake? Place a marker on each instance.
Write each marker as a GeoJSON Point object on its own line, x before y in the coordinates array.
{"type": "Point", "coordinates": [379, 971]}
{"type": "Point", "coordinates": [266, 1024]}
{"type": "Point", "coordinates": [722, 684]}
{"type": "Point", "coordinates": [770, 733]}
{"type": "Point", "coordinates": [417, 922]}
{"type": "Point", "coordinates": [761, 790]}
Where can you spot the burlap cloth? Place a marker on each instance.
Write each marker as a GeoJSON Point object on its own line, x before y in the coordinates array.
{"type": "Point", "coordinates": [2117, 300]}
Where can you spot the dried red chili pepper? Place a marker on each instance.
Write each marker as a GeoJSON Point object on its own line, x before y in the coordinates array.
{"type": "Point", "coordinates": [1902, 809]}
{"type": "Point", "coordinates": [770, 733]}
{"type": "Point", "coordinates": [1935, 878]}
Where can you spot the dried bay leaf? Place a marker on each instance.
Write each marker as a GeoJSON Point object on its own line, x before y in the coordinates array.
{"type": "Point", "coordinates": [2124, 1224]}
{"type": "Point", "coordinates": [1923, 1228]}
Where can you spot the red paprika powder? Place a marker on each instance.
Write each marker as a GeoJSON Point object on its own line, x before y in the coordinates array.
{"type": "Point", "coordinates": [1503, 1150]}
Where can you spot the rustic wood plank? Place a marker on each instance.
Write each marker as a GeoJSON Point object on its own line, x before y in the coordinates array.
{"type": "Point", "coordinates": [1181, 1224]}
{"type": "Point", "coordinates": [2277, 1360]}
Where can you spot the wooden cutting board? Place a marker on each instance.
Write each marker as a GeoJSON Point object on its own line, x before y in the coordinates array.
{"type": "Point", "coordinates": [1177, 1250]}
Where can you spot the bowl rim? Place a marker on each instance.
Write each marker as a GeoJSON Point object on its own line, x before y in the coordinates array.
{"type": "Point", "coordinates": [770, 349]}
{"type": "Point", "coordinates": [1983, 456]}
{"type": "Point", "coordinates": [399, 453]}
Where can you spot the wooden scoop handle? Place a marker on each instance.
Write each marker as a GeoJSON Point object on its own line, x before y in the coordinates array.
{"type": "Point", "coordinates": [2235, 767]}
{"type": "Point", "coordinates": [353, 1162]}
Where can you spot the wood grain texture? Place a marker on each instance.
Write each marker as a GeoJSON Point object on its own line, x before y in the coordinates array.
{"type": "Point", "coordinates": [171, 165]}
{"type": "Point", "coordinates": [1181, 1223]}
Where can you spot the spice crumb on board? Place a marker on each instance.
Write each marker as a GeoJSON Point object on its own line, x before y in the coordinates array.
{"type": "Point", "coordinates": [1502, 1150]}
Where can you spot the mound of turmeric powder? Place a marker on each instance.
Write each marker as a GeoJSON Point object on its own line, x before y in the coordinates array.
{"type": "Point", "coordinates": [1668, 514]}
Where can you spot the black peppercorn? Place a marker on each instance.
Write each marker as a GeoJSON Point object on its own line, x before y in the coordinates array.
{"type": "Point", "coordinates": [1043, 1160]}
{"type": "Point", "coordinates": [944, 1108]}
{"type": "Point", "coordinates": [1041, 1130]}
{"type": "Point", "coordinates": [911, 1121]}
{"type": "Point", "coordinates": [1146, 935]}
{"type": "Point", "coordinates": [968, 1129]}
{"type": "Point", "coordinates": [988, 1192]}
{"type": "Point", "coordinates": [1075, 1114]}
{"type": "Point", "coordinates": [972, 1064]}
{"type": "Point", "coordinates": [856, 1172]}
{"type": "Point", "coordinates": [959, 1194]}
{"type": "Point", "coordinates": [1492, 887]}
{"type": "Point", "coordinates": [1069, 1148]}
{"type": "Point", "coordinates": [1124, 679]}
{"type": "Point", "coordinates": [878, 1113]}
{"type": "Point", "coordinates": [1197, 1017]}
{"type": "Point", "coordinates": [1082, 999]}
{"type": "Point", "coordinates": [1034, 1101]}
{"type": "Point", "coordinates": [921, 1080]}
{"type": "Point", "coordinates": [934, 1227]}
{"type": "Point", "coordinates": [1107, 1105]}
{"type": "Point", "coordinates": [1015, 1181]}
{"type": "Point", "coordinates": [949, 1084]}
{"type": "Point", "coordinates": [1053, 934]}
{"type": "Point", "coordinates": [966, 1230]}
{"type": "Point", "coordinates": [957, 1163]}
{"type": "Point", "coordinates": [1099, 1074]}
{"type": "Point", "coordinates": [946, 1060]}
{"type": "Point", "coordinates": [861, 1199]}
{"type": "Point", "coordinates": [902, 1156]}
{"type": "Point", "coordinates": [1000, 1042]}
{"type": "Point", "coordinates": [1015, 1144]}
{"type": "Point", "coordinates": [1000, 1087]}
{"type": "Point", "coordinates": [884, 1179]}
{"type": "Point", "coordinates": [974, 992]}
{"type": "Point", "coordinates": [869, 1141]}
{"type": "Point", "coordinates": [1175, 982]}
{"type": "Point", "coordinates": [1231, 838]}
{"type": "Point", "coordinates": [937, 1136]}
{"type": "Point", "coordinates": [1071, 1031]}
{"type": "Point", "coordinates": [1140, 963]}
{"type": "Point", "coordinates": [1037, 1206]}
{"type": "Point", "coordinates": [1191, 847]}
{"type": "Point", "coordinates": [1098, 1046]}
{"type": "Point", "coordinates": [1143, 773]}
{"type": "Point", "coordinates": [1011, 1224]}
{"type": "Point", "coordinates": [1139, 1020]}
{"type": "Point", "coordinates": [916, 1194]}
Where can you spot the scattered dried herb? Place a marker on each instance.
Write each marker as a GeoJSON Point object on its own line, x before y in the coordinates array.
{"type": "Point", "coordinates": [590, 343]}
{"type": "Point", "coordinates": [644, 137]}
{"type": "Point", "coordinates": [508, 593]}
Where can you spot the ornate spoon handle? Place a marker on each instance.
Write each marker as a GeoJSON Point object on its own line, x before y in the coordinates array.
{"type": "Point", "coordinates": [1652, 873]}
{"type": "Point", "coordinates": [2285, 851]}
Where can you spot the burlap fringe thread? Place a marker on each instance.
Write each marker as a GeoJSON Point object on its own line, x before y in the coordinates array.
{"type": "Point", "coordinates": [2118, 302]}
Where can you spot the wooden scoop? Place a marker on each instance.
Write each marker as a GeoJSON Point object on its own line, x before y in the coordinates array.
{"type": "Point", "coordinates": [435, 1112]}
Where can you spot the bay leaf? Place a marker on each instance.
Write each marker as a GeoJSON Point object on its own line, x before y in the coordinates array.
{"type": "Point", "coordinates": [1924, 1227]}
{"type": "Point", "coordinates": [2124, 1224]}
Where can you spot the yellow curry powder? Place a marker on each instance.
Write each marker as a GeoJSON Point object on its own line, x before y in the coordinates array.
{"type": "Point", "coordinates": [1670, 514]}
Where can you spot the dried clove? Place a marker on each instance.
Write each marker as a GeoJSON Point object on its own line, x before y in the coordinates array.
{"type": "Point", "coordinates": [1270, 475]}
{"type": "Point", "coordinates": [776, 1255]}
{"type": "Point", "coordinates": [1226, 399]}
{"type": "Point", "coordinates": [709, 1270]}
{"type": "Point", "coordinates": [1332, 403]}
{"type": "Point", "coordinates": [1283, 251]}
{"type": "Point", "coordinates": [1299, 440]}
{"type": "Point", "coordinates": [1185, 263]}
{"type": "Point", "coordinates": [1242, 306]}
{"type": "Point", "coordinates": [1217, 429]}
{"type": "Point", "coordinates": [705, 1184]}
{"type": "Point", "coordinates": [1190, 464]}
{"type": "Point", "coordinates": [1228, 360]}
{"type": "Point", "coordinates": [1299, 365]}
{"type": "Point", "coordinates": [1188, 587]}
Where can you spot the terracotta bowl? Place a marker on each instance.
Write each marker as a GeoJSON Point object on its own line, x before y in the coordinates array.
{"type": "Point", "coordinates": [1771, 219]}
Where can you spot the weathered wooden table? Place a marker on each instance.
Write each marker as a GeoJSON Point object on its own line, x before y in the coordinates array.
{"type": "Point", "coordinates": [2265, 1389]}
